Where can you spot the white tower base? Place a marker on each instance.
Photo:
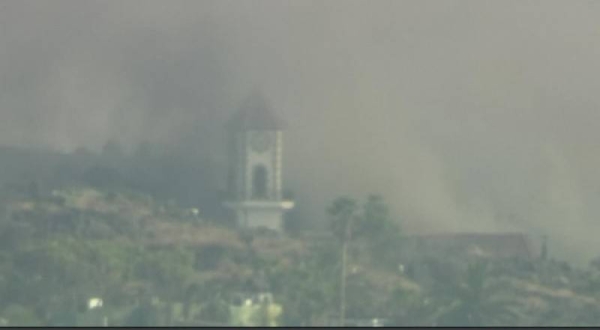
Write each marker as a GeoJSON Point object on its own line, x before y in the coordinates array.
{"type": "Point", "coordinates": [260, 214]}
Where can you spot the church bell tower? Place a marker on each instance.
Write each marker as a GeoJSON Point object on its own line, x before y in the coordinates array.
{"type": "Point", "coordinates": [255, 166]}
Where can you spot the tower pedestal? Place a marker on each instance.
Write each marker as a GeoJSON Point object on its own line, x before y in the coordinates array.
{"type": "Point", "coordinates": [259, 213]}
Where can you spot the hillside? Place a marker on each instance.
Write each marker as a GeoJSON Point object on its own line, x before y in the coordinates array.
{"type": "Point", "coordinates": [154, 263]}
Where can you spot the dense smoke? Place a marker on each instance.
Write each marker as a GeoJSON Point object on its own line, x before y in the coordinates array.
{"type": "Point", "coordinates": [465, 115]}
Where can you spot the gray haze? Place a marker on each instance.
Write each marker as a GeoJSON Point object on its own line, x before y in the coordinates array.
{"type": "Point", "coordinates": [466, 115]}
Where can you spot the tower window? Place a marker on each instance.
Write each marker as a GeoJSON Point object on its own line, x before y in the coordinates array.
{"type": "Point", "coordinates": [259, 182]}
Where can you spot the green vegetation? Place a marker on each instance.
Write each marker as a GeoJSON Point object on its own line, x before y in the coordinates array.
{"type": "Point", "coordinates": [153, 261]}
{"type": "Point", "coordinates": [154, 265]}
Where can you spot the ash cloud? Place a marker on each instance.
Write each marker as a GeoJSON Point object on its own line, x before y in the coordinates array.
{"type": "Point", "coordinates": [465, 115]}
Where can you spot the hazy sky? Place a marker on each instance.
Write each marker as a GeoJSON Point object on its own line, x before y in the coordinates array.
{"type": "Point", "coordinates": [466, 115]}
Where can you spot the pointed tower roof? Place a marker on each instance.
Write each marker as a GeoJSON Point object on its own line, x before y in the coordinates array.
{"type": "Point", "coordinates": [255, 114]}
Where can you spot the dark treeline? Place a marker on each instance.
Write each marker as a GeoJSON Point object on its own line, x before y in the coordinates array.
{"type": "Point", "coordinates": [166, 173]}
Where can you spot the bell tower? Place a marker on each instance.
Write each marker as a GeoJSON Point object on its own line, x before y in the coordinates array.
{"type": "Point", "coordinates": [255, 166]}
